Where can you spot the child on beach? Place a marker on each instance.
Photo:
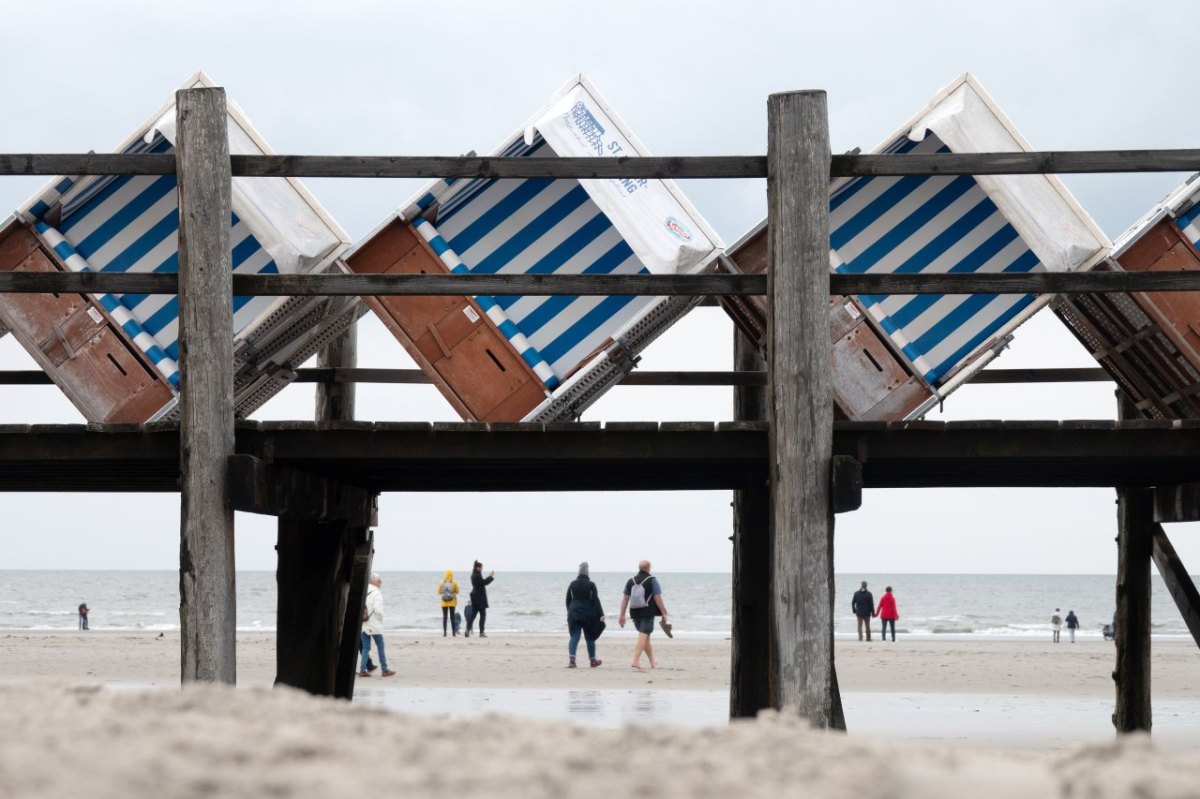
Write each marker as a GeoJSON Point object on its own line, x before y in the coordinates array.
{"type": "Point", "coordinates": [887, 613]}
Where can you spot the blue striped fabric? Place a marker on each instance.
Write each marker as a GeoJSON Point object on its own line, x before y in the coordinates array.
{"type": "Point", "coordinates": [928, 224]}
{"type": "Point", "coordinates": [130, 224]}
{"type": "Point", "coordinates": [543, 227]}
{"type": "Point", "coordinates": [1188, 224]}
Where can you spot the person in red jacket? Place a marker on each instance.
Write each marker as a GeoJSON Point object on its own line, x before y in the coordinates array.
{"type": "Point", "coordinates": [887, 613]}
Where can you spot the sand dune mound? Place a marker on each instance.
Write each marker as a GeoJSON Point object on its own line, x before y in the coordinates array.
{"type": "Point", "coordinates": [212, 741]}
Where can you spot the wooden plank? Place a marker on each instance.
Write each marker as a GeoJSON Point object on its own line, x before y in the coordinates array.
{"type": "Point", "coordinates": [751, 647]}
{"type": "Point", "coordinates": [416, 285]}
{"type": "Point", "coordinates": [1179, 582]}
{"type": "Point", "coordinates": [1084, 375]}
{"type": "Point", "coordinates": [801, 405]}
{"type": "Point", "coordinates": [846, 484]}
{"type": "Point", "coordinates": [335, 399]}
{"type": "Point", "coordinates": [363, 540]}
{"type": "Point", "coordinates": [662, 167]}
{"type": "Point", "coordinates": [1131, 674]}
{"type": "Point", "coordinates": [206, 436]}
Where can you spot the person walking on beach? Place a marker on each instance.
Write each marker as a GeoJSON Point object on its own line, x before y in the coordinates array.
{"type": "Point", "coordinates": [643, 599]}
{"type": "Point", "coordinates": [1072, 624]}
{"type": "Point", "coordinates": [83, 612]}
{"type": "Point", "coordinates": [862, 605]}
{"type": "Point", "coordinates": [448, 591]}
{"type": "Point", "coordinates": [372, 628]}
{"type": "Point", "coordinates": [479, 600]}
{"type": "Point", "coordinates": [585, 616]}
{"type": "Point", "coordinates": [887, 613]}
{"type": "Point", "coordinates": [1056, 624]}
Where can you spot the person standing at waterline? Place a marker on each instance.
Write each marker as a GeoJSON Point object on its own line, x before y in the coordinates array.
{"type": "Point", "coordinates": [862, 605]}
{"type": "Point", "coordinates": [1056, 624]}
{"type": "Point", "coordinates": [585, 616]}
{"type": "Point", "coordinates": [643, 598]}
{"type": "Point", "coordinates": [373, 628]}
{"type": "Point", "coordinates": [887, 614]}
{"type": "Point", "coordinates": [1072, 624]}
{"type": "Point", "coordinates": [479, 600]}
{"type": "Point", "coordinates": [448, 593]}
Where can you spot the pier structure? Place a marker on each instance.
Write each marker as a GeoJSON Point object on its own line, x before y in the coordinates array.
{"type": "Point", "coordinates": [791, 467]}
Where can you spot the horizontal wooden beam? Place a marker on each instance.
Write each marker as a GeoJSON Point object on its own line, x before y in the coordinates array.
{"type": "Point", "coordinates": [258, 486]}
{"type": "Point", "coordinates": [628, 456]}
{"type": "Point", "coordinates": [602, 285]}
{"type": "Point", "coordinates": [664, 167]}
{"type": "Point", "coordinates": [1071, 375]}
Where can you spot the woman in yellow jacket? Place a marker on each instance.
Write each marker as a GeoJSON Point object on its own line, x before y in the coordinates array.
{"type": "Point", "coordinates": [448, 593]}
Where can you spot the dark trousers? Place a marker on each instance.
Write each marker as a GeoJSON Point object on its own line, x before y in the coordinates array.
{"type": "Point", "coordinates": [448, 619]}
{"type": "Point", "coordinates": [883, 627]}
{"type": "Point", "coordinates": [481, 615]}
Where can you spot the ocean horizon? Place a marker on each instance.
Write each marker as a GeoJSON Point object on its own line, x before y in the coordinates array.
{"type": "Point", "coordinates": [1001, 606]}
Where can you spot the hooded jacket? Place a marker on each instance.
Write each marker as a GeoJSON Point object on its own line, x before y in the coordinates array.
{"type": "Point", "coordinates": [479, 585]}
{"type": "Point", "coordinates": [453, 602]}
{"type": "Point", "coordinates": [373, 624]}
{"type": "Point", "coordinates": [887, 608]}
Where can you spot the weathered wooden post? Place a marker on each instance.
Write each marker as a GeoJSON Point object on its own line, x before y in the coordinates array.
{"type": "Point", "coordinates": [801, 406]}
{"type": "Point", "coordinates": [207, 606]}
{"type": "Point", "coordinates": [1135, 519]}
{"type": "Point", "coordinates": [751, 650]}
{"type": "Point", "coordinates": [335, 400]}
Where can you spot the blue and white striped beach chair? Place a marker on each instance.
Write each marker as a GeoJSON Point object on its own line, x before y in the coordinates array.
{"type": "Point", "coordinates": [130, 224]}
{"type": "Point", "coordinates": [538, 358]}
{"type": "Point", "coordinates": [897, 356]}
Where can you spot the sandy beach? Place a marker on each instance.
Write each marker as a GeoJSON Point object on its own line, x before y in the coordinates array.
{"type": "Point", "coordinates": [993, 694]}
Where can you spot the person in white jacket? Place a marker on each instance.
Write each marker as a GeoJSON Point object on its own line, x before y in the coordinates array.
{"type": "Point", "coordinates": [373, 628]}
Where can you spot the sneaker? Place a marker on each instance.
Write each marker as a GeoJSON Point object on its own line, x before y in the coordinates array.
{"type": "Point", "coordinates": [483, 635]}
{"type": "Point", "coordinates": [388, 673]}
{"type": "Point", "coordinates": [364, 674]}
{"type": "Point", "coordinates": [571, 664]}
{"type": "Point", "coordinates": [596, 662]}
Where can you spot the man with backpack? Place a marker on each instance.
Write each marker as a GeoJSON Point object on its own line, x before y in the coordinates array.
{"type": "Point", "coordinates": [643, 599]}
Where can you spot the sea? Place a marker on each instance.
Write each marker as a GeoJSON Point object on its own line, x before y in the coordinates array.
{"type": "Point", "coordinates": [941, 606]}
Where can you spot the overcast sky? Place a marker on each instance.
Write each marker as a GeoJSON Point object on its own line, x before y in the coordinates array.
{"type": "Point", "coordinates": [690, 78]}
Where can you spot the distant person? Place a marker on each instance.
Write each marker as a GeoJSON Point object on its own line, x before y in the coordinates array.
{"type": "Point", "coordinates": [373, 628]}
{"type": "Point", "coordinates": [1072, 624]}
{"type": "Point", "coordinates": [887, 613]}
{"type": "Point", "coordinates": [585, 616]}
{"type": "Point", "coordinates": [448, 592]}
{"type": "Point", "coordinates": [643, 598]}
{"type": "Point", "coordinates": [479, 600]}
{"type": "Point", "coordinates": [862, 605]}
{"type": "Point", "coordinates": [1056, 624]}
{"type": "Point", "coordinates": [83, 612]}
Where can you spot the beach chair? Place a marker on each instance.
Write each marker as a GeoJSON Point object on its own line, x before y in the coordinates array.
{"type": "Point", "coordinates": [116, 355]}
{"type": "Point", "coordinates": [895, 357]}
{"type": "Point", "coordinates": [538, 358]}
{"type": "Point", "coordinates": [1149, 342]}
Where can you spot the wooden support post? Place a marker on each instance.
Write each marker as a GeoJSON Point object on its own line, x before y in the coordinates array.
{"type": "Point", "coordinates": [335, 401]}
{"type": "Point", "coordinates": [313, 585]}
{"type": "Point", "coordinates": [1179, 582]}
{"type": "Point", "coordinates": [207, 607]}
{"type": "Point", "coordinates": [750, 687]}
{"type": "Point", "coordinates": [1135, 517]}
{"type": "Point", "coordinates": [801, 406]}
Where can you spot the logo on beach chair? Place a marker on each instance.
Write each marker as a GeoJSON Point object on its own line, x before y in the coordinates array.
{"type": "Point", "coordinates": [678, 229]}
{"type": "Point", "coordinates": [586, 127]}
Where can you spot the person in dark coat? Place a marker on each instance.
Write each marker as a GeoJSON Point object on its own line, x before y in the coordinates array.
{"type": "Point", "coordinates": [479, 601]}
{"type": "Point", "coordinates": [862, 605]}
{"type": "Point", "coordinates": [585, 616]}
{"type": "Point", "coordinates": [1072, 624]}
